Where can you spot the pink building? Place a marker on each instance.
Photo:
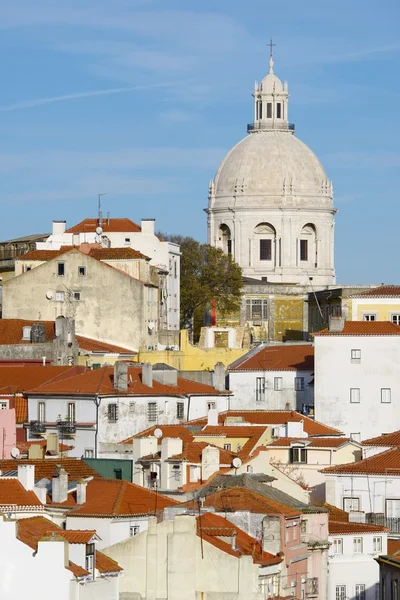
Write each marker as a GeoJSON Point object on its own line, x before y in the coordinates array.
{"type": "Point", "coordinates": [8, 436]}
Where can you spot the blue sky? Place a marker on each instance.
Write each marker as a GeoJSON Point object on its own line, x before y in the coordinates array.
{"type": "Point", "coordinates": [143, 98]}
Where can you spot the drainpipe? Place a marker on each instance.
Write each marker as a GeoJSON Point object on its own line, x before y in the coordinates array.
{"type": "Point", "coordinates": [188, 408]}
{"type": "Point", "coordinates": [97, 400]}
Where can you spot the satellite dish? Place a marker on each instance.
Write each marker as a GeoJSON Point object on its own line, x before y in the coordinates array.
{"type": "Point", "coordinates": [99, 230]}
{"type": "Point", "coordinates": [15, 452]}
{"type": "Point", "coordinates": [237, 463]}
{"type": "Point", "coordinates": [158, 433]}
{"type": "Point", "coordinates": [49, 294]}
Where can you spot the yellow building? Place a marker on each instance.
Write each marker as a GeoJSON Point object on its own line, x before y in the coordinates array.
{"type": "Point", "coordinates": [377, 304]}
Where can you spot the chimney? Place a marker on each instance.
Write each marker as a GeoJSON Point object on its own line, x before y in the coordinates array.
{"type": "Point", "coordinates": [147, 374]}
{"type": "Point", "coordinates": [40, 491]}
{"type": "Point", "coordinates": [219, 377]}
{"type": "Point", "coordinates": [60, 485]}
{"type": "Point", "coordinates": [81, 491]}
{"type": "Point", "coordinates": [59, 227]}
{"type": "Point", "coordinates": [121, 376]}
{"type": "Point", "coordinates": [38, 333]}
{"type": "Point", "coordinates": [233, 541]}
{"type": "Point", "coordinates": [209, 462]}
{"type": "Point", "coordinates": [336, 324]}
{"type": "Point", "coordinates": [170, 447]}
{"type": "Point", "coordinates": [26, 476]}
{"type": "Point", "coordinates": [212, 417]}
{"type": "Point", "coordinates": [147, 226]}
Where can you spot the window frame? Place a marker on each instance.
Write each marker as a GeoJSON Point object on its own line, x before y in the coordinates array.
{"type": "Point", "coordinates": [386, 393]}
{"type": "Point", "coordinates": [71, 408]}
{"type": "Point", "coordinates": [260, 389]}
{"type": "Point", "coordinates": [352, 499]}
{"type": "Point", "coordinates": [41, 408]}
{"type": "Point", "coordinates": [367, 316]}
{"type": "Point", "coordinates": [354, 396]}
{"type": "Point", "coordinates": [301, 453]}
{"type": "Point", "coordinates": [82, 268]}
{"type": "Point", "coordinates": [395, 316]}
{"type": "Point", "coordinates": [134, 530]}
{"type": "Point", "coordinates": [303, 250]}
{"type": "Point", "coordinates": [87, 452]}
{"type": "Point", "coordinates": [228, 447]}
{"type": "Point", "coordinates": [269, 110]}
{"type": "Point", "coordinates": [360, 592]}
{"type": "Point", "coordinates": [377, 541]}
{"type": "Point", "coordinates": [279, 110]}
{"type": "Point", "coordinates": [60, 296]}
{"type": "Point", "coordinates": [265, 249]}
{"type": "Point", "coordinates": [299, 384]}
{"type": "Point", "coordinates": [340, 592]}
{"type": "Point", "coordinates": [61, 267]}
{"type": "Point", "coordinates": [278, 384]}
{"type": "Point", "coordinates": [337, 546]}
{"type": "Point", "coordinates": [77, 296]}
{"type": "Point", "coordinates": [152, 412]}
{"type": "Point", "coordinates": [355, 355]}
{"type": "Point", "coordinates": [357, 545]}
{"type": "Point", "coordinates": [180, 410]}
{"type": "Point", "coordinates": [112, 412]}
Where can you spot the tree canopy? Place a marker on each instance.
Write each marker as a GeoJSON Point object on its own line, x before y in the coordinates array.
{"type": "Point", "coordinates": [207, 275]}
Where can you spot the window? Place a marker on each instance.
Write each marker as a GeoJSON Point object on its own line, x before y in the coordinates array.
{"type": "Point", "coordinates": [180, 410]}
{"type": "Point", "coordinates": [89, 563]}
{"type": "Point", "coordinates": [4, 405]}
{"type": "Point", "coordinates": [260, 389]}
{"type": "Point", "coordinates": [89, 453]}
{"type": "Point", "coordinates": [303, 527]}
{"type": "Point", "coordinates": [193, 474]}
{"type": "Point", "coordinates": [340, 592]}
{"type": "Point", "coordinates": [152, 411]}
{"type": "Point", "coordinates": [227, 447]}
{"type": "Point", "coordinates": [265, 249]}
{"type": "Point", "coordinates": [351, 504]}
{"type": "Point", "coordinates": [356, 437]}
{"type": "Point", "coordinates": [59, 296]}
{"type": "Point", "coordinates": [117, 473]}
{"type": "Point", "coordinates": [357, 545]}
{"type": "Point", "coordinates": [112, 413]}
{"type": "Point", "coordinates": [256, 309]}
{"type": "Point", "coordinates": [61, 269]}
{"type": "Point", "coordinates": [132, 408]}
{"type": "Point", "coordinates": [71, 412]}
{"type": "Point", "coordinates": [356, 356]}
{"type": "Point", "coordinates": [133, 530]}
{"type": "Point", "coordinates": [81, 271]}
{"type": "Point", "coordinates": [355, 395]}
{"type": "Point", "coordinates": [386, 395]}
{"type": "Point", "coordinates": [377, 544]}
{"type": "Point", "coordinates": [278, 110]}
{"type": "Point", "coordinates": [259, 104]}
{"type": "Point", "coordinates": [41, 412]}
{"type": "Point", "coordinates": [278, 384]}
{"type": "Point", "coordinates": [298, 455]}
{"type": "Point", "coordinates": [395, 318]}
{"type": "Point", "coordinates": [127, 240]}
{"type": "Point", "coordinates": [337, 546]}
{"type": "Point", "coordinates": [360, 591]}
{"type": "Point", "coordinates": [269, 110]}
{"type": "Point", "coordinates": [77, 296]}
{"type": "Point", "coordinates": [369, 317]}
{"type": "Point", "coordinates": [299, 384]}
{"type": "Point", "coordinates": [211, 405]}
{"type": "Point", "coordinates": [304, 250]}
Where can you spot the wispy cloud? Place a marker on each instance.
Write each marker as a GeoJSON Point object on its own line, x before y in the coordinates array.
{"type": "Point", "coordinates": [77, 95]}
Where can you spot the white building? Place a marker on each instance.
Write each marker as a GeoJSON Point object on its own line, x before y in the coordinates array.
{"type": "Point", "coordinates": [124, 233]}
{"type": "Point", "coordinates": [271, 203]}
{"type": "Point", "coordinates": [357, 384]}
{"type": "Point", "coordinates": [273, 378]}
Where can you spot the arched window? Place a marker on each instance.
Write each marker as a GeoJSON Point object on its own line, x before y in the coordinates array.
{"type": "Point", "coordinates": [225, 239]}
{"type": "Point", "coordinates": [265, 236]}
{"type": "Point", "coordinates": [307, 250]}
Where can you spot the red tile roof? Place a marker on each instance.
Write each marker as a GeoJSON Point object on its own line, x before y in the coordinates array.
{"type": "Point", "coordinates": [31, 531]}
{"type": "Point", "coordinates": [91, 250]}
{"type": "Point", "coordinates": [44, 255]}
{"type": "Point", "coordinates": [192, 452]}
{"type": "Point", "coordinates": [76, 570]}
{"type": "Point", "coordinates": [100, 381]}
{"type": "Point", "coordinates": [11, 331]}
{"type": "Point", "coordinates": [343, 528]}
{"type": "Point", "coordinates": [115, 497]}
{"type": "Point", "coordinates": [212, 527]}
{"type": "Point", "coordinates": [272, 417]}
{"type": "Point", "coordinates": [277, 358]}
{"type": "Point", "coordinates": [238, 499]}
{"type": "Point", "coordinates": [102, 347]}
{"type": "Point", "coordinates": [112, 225]}
{"type": "Point", "coordinates": [393, 546]}
{"type": "Point", "coordinates": [387, 439]}
{"type": "Point", "coordinates": [23, 447]}
{"type": "Point", "coordinates": [383, 291]}
{"type": "Point", "coordinates": [117, 254]}
{"type": "Point", "coordinates": [21, 409]}
{"type": "Point", "coordinates": [105, 564]}
{"type": "Point", "coordinates": [252, 433]}
{"type": "Point", "coordinates": [323, 442]}
{"type": "Point", "coordinates": [362, 328]}
{"type": "Point", "coordinates": [13, 492]}
{"type": "Point", "coordinates": [335, 513]}
{"type": "Point", "coordinates": [172, 431]}
{"type": "Point", "coordinates": [46, 468]}
{"type": "Point", "coordinates": [20, 379]}
{"type": "Point", "coordinates": [384, 463]}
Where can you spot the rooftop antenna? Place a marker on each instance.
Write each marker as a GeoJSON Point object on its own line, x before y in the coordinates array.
{"type": "Point", "coordinates": [100, 216]}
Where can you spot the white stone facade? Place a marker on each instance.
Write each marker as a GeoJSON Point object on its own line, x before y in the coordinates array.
{"type": "Point", "coordinates": [271, 203]}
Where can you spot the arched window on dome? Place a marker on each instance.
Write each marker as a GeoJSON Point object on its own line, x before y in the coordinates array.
{"type": "Point", "coordinates": [225, 239]}
{"type": "Point", "coordinates": [265, 235]}
{"type": "Point", "coordinates": [307, 246]}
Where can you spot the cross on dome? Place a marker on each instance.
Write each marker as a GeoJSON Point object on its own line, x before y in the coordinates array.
{"type": "Point", "coordinates": [271, 62]}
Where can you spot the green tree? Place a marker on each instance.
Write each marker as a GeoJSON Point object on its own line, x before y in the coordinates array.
{"type": "Point", "coordinates": [207, 275]}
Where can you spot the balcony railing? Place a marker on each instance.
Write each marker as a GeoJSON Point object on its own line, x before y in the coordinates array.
{"type": "Point", "coordinates": [392, 523]}
{"type": "Point", "coordinates": [37, 427]}
{"type": "Point", "coordinates": [265, 126]}
{"type": "Point", "coordinates": [66, 428]}
{"type": "Point", "coordinates": [312, 587]}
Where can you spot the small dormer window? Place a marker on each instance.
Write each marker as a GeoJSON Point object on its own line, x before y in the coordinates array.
{"type": "Point", "coordinates": [269, 110]}
{"type": "Point", "coordinates": [279, 110]}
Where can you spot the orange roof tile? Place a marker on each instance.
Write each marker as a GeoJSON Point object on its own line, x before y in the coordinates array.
{"type": "Point", "coordinates": [322, 442]}
{"type": "Point", "coordinates": [105, 564]}
{"type": "Point", "coordinates": [20, 379]}
{"type": "Point", "coordinates": [23, 447]}
{"type": "Point", "coordinates": [237, 499]}
{"type": "Point", "coordinates": [101, 382]}
{"type": "Point", "coordinates": [11, 331]}
{"type": "Point", "coordinates": [272, 417]}
{"type": "Point", "coordinates": [192, 452]}
{"type": "Point", "coordinates": [115, 497]}
{"type": "Point", "coordinates": [387, 439]}
{"type": "Point", "coordinates": [383, 291]}
{"type": "Point", "coordinates": [43, 255]}
{"type": "Point", "coordinates": [45, 468]}
{"type": "Point", "coordinates": [30, 531]}
{"type": "Point", "coordinates": [108, 225]}
{"type": "Point", "coordinates": [76, 570]}
{"type": "Point", "coordinates": [393, 546]}
{"type": "Point", "coordinates": [91, 345]}
{"type": "Point", "coordinates": [335, 513]}
{"type": "Point", "coordinates": [277, 358]}
{"type": "Point", "coordinates": [384, 463]}
{"type": "Point", "coordinates": [117, 254]}
{"type": "Point", "coordinates": [343, 528]}
{"type": "Point", "coordinates": [21, 409]}
{"type": "Point", "coordinates": [13, 492]}
{"type": "Point", "coordinates": [172, 431]}
{"type": "Point", "coordinates": [361, 328]}
{"type": "Point", "coordinates": [212, 527]}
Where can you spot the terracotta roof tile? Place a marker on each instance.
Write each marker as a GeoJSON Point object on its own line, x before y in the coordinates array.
{"type": "Point", "coordinates": [23, 447]}
{"type": "Point", "coordinates": [387, 439]}
{"type": "Point", "coordinates": [277, 358]}
{"type": "Point", "coordinates": [112, 225]}
{"type": "Point", "coordinates": [32, 530]}
{"type": "Point", "coordinates": [117, 254]}
{"type": "Point", "coordinates": [192, 452]}
{"type": "Point", "coordinates": [362, 328]}
{"type": "Point", "coordinates": [343, 528]}
{"type": "Point", "coordinates": [105, 564]}
{"type": "Point", "coordinates": [383, 291]}
{"type": "Point", "coordinates": [11, 331]}
{"type": "Point", "coordinates": [43, 255]}
{"type": "Point", "coordinates": [76, 570]}
{"type": "Point", "coordinates": [115, 497]}
{"type": "Point", "coordinates": [45, 468]}
{"type": "Point", "coordinates": [173, 431]}
{"type": "Point", "coordinates": [91, 345]}
{"type": "Point", "coordinates": [322, 442]}
{"type": "Point", "coordinates": [272, 417]}
{"type": "Point", "coordinates": [393, 546]}
{"type": "Point", "coordinates": [21, 409]}
{"type": "Point", "coordinates": [238, 499]}
{"type": "Point", "coordinates": [335, 513]}
{"type": "Point", "coordinates": [21, 379]}
{"type": "Point", "coordinates": [13, 492]}
{"type": "Point", "coordinates": [384, 463]}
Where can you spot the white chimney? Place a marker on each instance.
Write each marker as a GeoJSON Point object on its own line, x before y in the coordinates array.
{"type": "Point", "coordinates": [209, 462]}
{"type": "Point", "coordinates": [81, 491]}
{"type": "Point", "coordinates": [147, 374]}
{"type": "Point", "coordinates": [147, 226]}
{"type": "Point", "coordinates": [59, 227]}
{"type": "Point", "coordinates": [336, 324]}
{"type": "Point", "coordinates": [170, 447]}
{"type": "Point", "coordinates": [26, 476]}
{"type": "Point", "coordinates": [60, 485]}
{"type": "Point", "coordinates": [212, 417]}
{"type": "Point", "coordinates": [41, 493]}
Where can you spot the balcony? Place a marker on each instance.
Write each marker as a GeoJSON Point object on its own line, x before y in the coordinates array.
{"type": "Point", "coordinates": [312, 587]}
{"type": "Point", "coordinates": [66, 428]}
{"type": "Point", "coordinates": [37, 428]}
{"type": "Point", "coordinates": [392, 523]}
{"type": "Point", "coordinates": [268, 126]}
